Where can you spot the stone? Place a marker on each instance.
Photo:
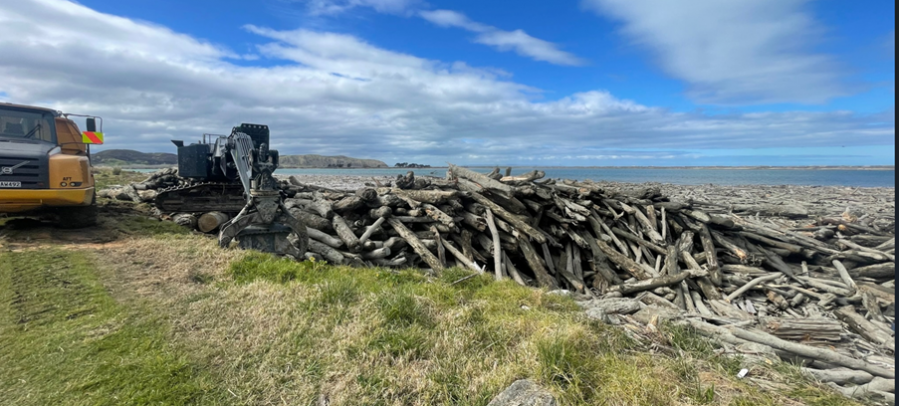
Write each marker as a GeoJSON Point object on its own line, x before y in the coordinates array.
{"type": "Point", "coordinates": [146, 195]}
{"type": "Point", "coordinates": [524, 392]}
{"type": "Point", "coordinates": [128, 193]}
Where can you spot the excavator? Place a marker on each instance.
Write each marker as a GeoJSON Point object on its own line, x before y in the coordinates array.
{"type": "Point", "coordinates": [45, 165]}
{"type": "Point", "coordinates": [233, 174]}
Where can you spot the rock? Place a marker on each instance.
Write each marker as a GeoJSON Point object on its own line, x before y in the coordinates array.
{"type": "Point", "coordinates": [146, 195]}
{"type": "Point", "coordinates": [108, 193]}
{"type": "Point", "coordinates": [524, 392]}
{"type": "Point", "coordinates": [128, 193]}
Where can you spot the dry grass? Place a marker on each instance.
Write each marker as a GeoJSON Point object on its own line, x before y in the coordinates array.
{"type": "Point", "coordinates": [262, 330]}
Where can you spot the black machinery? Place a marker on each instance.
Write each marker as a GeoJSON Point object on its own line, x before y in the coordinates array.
{"type": "Point", "coordinates": [233, 174]}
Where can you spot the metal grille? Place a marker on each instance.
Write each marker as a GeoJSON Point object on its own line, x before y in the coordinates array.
{"type": "Point", "coordinates": [32, 172]}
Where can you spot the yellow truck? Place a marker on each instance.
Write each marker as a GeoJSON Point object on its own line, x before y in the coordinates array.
{"type": "Point", "coordinates": [45, 164]}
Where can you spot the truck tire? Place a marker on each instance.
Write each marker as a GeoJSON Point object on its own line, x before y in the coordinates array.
{"type": "Point", "coordinates": [78, 216]}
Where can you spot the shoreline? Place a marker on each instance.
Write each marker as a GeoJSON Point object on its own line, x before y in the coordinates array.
{"type": "Point", "coordinates": [346, 181]}
{"type": "Point", "coordinates": [747, 168]}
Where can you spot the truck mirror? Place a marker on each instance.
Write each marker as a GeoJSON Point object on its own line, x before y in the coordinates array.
{"type": "Point", "coordinates": [91, 124]}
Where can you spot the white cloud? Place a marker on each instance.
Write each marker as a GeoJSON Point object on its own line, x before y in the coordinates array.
{"type": "Point", "coordinates": [518, 40]}
{"type": "Point", "coordinates": [337, 94]}
{"type": "Point", "coordinates": [332, 7]}
{"type": "Point", "coordinates": [449, 18]}
{"type": "Point", "coordinates": [735, 51]}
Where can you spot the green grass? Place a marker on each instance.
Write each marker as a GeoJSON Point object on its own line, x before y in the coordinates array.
{"type": "Point", "coordinates": [206, 326]}
{"type": "Point", "coordinates": [426, 341]}
{"type": "Point", "coordinates": [105, 177]}
{"type": "Point", "coordinates": [65, 340]}
{"type": "Point", "coordinates": [147, 226]}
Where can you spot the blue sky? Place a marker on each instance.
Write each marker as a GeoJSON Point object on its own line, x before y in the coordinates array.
{"type": "Point", "coordinates": [588, 82]}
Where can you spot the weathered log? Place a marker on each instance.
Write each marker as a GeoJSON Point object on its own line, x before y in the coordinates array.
{"type": "Point", "coordinates": [878, 386]}
{"type": "Point", "coordinates": [511, 218]}
{"type": "Point", "coordinates": [536, 264]}
{"type": "Point", "coordinates": [648, 226]}
{"type": "Point", "coordinates": [599, 263]}
{"type": "Point", "coordinates": [324, 238]}
{"type": "Point", "coordinates": [481, 179]}
{"type": "Point", "coordinates": [497, 259]}
{"type": "Point", "coordinates": [439, 215]}
{"type": "Point", "coordinates": [371, 230]}
{"type": "Point", "coordinates": [461, 258]}
{"type": "Point", "coordinates": [821, 354]}
{"type": "Point", "coordinates": [861, 326]}
{"type": "Point", "coordinates": [511, 204]}
{"type": "Point", "coordinates": [811, 329]}
{"type": "Point", "coordinates": [441, 248]}
{"type": "Point", "coordinates": [633, 238]}
{"type": "Point", "coordinates": [852, 226]}
{"type": "Point", "coordinates": [409, 219]}
{"type": "Point", "coordinates": [427, 196]}
{"type": "Point", "coordinates": [186, 220]}
{"type": "Point", "coordinates": [876, 271]}
{"type": "Point", "coordinates": [345, 233]}
{"type": "Point", "coordinates": [474, 221]}
{"type": "Point", "coordinates": [844, 275]}
{"type": "Point", "coordinates": [380, 212]}
{"type": "Point", "coordinates": [512, 271]}
{"type": "Point", "coordinates": [525, 177]}
{"type": "Point", "coordinates": [379, 253]}
{"type": "Point", "coordinates": [840, 376]}
{"type": "Point", "coordinates": [743, 289]}
{"type": "Point", "coordinates": [211, 221]}
{"type": "Point", "coordinates": [416, 245]}
{"type": "Point", "coordinates": [708, 246]}
{"type": "Point", "coordinates": [624, 262]}
{"type": "Point", "coordinates": [348, 203]}
{"type": "Point", "coordinates": [653, 283]}
{"type": "Point", "coordinates": [331, 255]}
{"type": "Point", "coordinates": [321, 206]}
{"type": "Point", "coordinates": [310, 220]}
{"type": "Point", "coordinates": [367, 194]}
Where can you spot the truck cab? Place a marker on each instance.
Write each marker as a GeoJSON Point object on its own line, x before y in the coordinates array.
{"type": "Point", "coordinates": [45, 165]}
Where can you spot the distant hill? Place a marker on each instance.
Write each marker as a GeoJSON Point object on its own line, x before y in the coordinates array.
{"type": "Point", "coordinates": [127, 157]}
{"type": "Point", "coordinates": [320, 161]}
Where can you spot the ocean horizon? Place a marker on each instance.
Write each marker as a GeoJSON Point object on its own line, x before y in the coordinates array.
{"type": "Point", "coordinates": [730, 176]}
{"type": "Point", "coordinates": [678, 176]}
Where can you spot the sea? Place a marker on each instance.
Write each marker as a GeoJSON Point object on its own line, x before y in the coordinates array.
{"type": "Point", "coordinates": [676, 176]}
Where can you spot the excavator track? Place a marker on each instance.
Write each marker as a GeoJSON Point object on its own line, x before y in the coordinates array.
{"type": "Point", "coordinates": [202, 197]}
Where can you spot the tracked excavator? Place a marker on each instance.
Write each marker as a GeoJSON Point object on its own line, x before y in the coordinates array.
{"type": "Point", "coordinates": [233, 174]}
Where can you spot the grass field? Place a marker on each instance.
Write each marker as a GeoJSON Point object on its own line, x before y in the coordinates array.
{"type": "Point", "coordinates": [160, 316]}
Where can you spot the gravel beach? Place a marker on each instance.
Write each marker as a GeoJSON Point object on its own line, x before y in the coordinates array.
{"type": "Point", "coordinates": [866, 204]}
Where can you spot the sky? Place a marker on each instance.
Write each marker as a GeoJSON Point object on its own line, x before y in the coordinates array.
{"type": "Point", "coordinates": [525, 82]}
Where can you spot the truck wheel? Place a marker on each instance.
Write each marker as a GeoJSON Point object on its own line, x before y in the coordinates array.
{"type": "Point", "coordinates": [78, 217]}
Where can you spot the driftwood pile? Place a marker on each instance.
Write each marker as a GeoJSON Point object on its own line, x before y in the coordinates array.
{"type": "Point", "coordinates": [820, 292]}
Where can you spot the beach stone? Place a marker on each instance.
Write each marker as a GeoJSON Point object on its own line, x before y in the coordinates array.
{"type": "Point", "coordinates": [146, 195]}
{"type": "Point", "coordinates": [524, 392]}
